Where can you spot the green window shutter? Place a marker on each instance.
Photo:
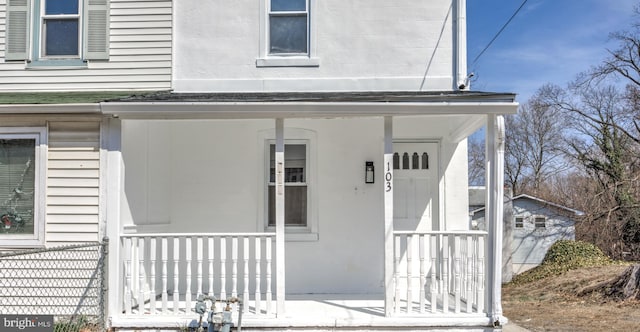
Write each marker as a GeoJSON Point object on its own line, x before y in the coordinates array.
{"type": "Point", "coordinates": [17, 46]}
{"type": "Point", "coordinates": [96, 30]}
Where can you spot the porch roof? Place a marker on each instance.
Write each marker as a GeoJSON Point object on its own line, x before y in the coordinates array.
{"type": "Point", "coordinates": [169, 105]}
{"type": "Point", "coordinates": [309, 104]}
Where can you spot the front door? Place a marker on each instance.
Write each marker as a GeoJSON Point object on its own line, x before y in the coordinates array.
{"type": "Point", "coordinates": [415, 192]}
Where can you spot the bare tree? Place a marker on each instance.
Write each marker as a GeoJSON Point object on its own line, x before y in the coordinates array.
{"type": "Point", "coordinates": [603, 144]}
{"type": "Point", "coordinates": [534, 141]}
{"type": "Point", "coordinates": [476, 154]}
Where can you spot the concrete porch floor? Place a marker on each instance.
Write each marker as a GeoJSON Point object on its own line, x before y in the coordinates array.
{"type": "Point", "coordinates": [322, 312]}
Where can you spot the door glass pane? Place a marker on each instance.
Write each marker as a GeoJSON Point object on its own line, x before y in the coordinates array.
{"type": "Point", "coordinates": [61, 37]}
{"type": "Point", "coordinates": [288, 34]}
{"type": "Point", "coordinates": [288, 5]}
{"type": "Point", "coordinates": [17, 185]}
{"type": "Point", "coordinates": [56, 7]}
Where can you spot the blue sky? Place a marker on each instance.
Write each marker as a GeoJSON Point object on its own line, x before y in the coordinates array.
{"type": "Point", "coordinates": [549, 41]}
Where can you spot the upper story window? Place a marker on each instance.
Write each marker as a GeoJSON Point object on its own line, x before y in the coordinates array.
{"type": "Point", "coordinates": [519, 222]}
{"type": "Point", "coordinates": [287, 34]}
{"type": "Point", "coordinates": [57, 32]}
{"type": "Point", "coordinates": [21, 187]}
{"type": "Point", "coordinates": [540, 222]}
{"type": "Point", "coordinates": [288, 27]}
{"type": "Point", "coordinates": [60, 29]}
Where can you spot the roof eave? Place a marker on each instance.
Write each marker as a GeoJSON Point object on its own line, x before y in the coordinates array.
{"type": "Point", "coordinates": [302, 109]}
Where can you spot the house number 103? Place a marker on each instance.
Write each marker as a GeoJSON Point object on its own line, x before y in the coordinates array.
{"type": "Point", "coordinates": [387, 178]}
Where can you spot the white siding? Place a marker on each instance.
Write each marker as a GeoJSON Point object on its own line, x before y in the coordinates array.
{"type": "Point", "coordinates": [140, 54]}
{"type": "Point", "coordinates": [73, 183]}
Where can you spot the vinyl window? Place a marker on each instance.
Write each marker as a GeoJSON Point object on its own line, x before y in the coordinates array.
{"type": "Point", "coordinates": [21, 187]}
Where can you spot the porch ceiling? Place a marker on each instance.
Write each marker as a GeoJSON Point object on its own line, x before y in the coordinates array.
{"type": "Point", "coordinates": [308, 105]}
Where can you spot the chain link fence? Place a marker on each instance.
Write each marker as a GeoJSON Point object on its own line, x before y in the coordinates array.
{"type": "Point", "coordinates": [67, 282]}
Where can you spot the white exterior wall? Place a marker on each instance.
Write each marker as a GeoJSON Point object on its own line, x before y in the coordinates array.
{"type": "Point", "coordinates": [139, 55]}
{"type": "Point", "coordinates": [361, 45]}
{"type": "Point", "coordinates": [205, 176]}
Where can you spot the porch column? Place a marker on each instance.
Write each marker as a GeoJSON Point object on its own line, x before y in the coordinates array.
{"type": "Point", "coordinates": [388, 216]}
{"type": "Point", "coordinates": [279, 214]}
{"type": "Point", "coordinates": [111, 182]}
{"type": "Point", "coordinates": [494, 213]}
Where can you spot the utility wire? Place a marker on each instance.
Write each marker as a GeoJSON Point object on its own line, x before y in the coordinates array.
{"type": "Point", "coordinates": [498, 34]}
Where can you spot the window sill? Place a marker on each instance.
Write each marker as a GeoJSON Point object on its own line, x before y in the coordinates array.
{"type": "Point", "coordinates": [297, 234]}
{"type": "Point", "coordinates": [8, 245]}
{"type": "Point", "coordinates": [57, 64]}
{"type": "Point", "coordinates": [288, 61]}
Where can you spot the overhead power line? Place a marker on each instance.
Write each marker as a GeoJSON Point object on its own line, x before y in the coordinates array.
{"type": "Point", "coordinates": [498, 33]}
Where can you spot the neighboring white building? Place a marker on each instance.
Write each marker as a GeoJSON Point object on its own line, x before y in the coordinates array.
{"type": "Point", "coordinates": [535, 225]}
{"type": "Point", "coordinates": [310, 158]}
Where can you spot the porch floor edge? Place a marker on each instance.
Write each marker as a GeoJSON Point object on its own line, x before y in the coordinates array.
{"type": "Point", "coordinates": [400, 323]}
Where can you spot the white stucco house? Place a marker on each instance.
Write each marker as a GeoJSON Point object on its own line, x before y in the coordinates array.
{"type": "Point", "coordinates": [308, 157]}
{"type": "Point", "coordinates": [533, 225]}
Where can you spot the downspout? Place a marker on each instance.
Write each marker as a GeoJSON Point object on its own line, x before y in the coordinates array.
{"type": "Point", "coordinates": [461, 81]}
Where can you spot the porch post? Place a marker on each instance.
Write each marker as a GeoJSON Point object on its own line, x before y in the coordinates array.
{"type": "Point", "coordinates": [279, 214]}
{"type": "Point", "coordinates": [388, 216]}
{"type": "Point", "coordinates": [494, 213]}
{"type": "Point", "coordinates": [112, 180]}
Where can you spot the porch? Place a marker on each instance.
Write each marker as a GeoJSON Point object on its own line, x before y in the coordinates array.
{"type": "Point", "coordinates": [369, 251]}
{"type": "Point", "coordinates": [438, 277]}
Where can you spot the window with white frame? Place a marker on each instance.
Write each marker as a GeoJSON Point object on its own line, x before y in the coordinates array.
{"type": "Point", "coordinates": [519, 222]}
{"type": "Point", "coordinates": [287, 34]}
{"type": "Point", "coordinates": [295, 184]}
{"type": "Point", "coordinates": [57, 32]}
{"type": "Point", "coordinates": [540, 221]}
{"type": "Point", "coordinates": [21, 185]}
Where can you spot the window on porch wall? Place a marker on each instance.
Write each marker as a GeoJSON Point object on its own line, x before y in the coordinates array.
{"type": "Point", "coordinates": [295, 185]}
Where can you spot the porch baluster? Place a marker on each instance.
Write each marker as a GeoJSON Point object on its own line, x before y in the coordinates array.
{"type": "Point", "coordinates": [258, 243]}
{"type": "Point", "coordinates": [445, 274]}
{"type": "Point", "coordinates": [176, 272]}
{"type": "Point", "coordinates": [152, 274]}
{"type": "Point", "coordinates": [199, 261]}
{"type": "Point", "coordinates": [268, 275]}
{"type": "Point", "coordinates": [470, 241]}
{"type": "Point", "coordinates": [396, 275]}
{"type": "Point", "coordinates": [188, 250]}
{"type": "Point", "coordinates": [480, 279]}
{"type": "Point", "coordinates": [234, 266]}
{"type": "Point", "coordinates": [245, 292]}
{"type": "Point", "coordinates": [128, 291]}
{"type": "Point", "coordinates": [457, 267]}
{"type": "Point", "coordinates": [140, 275]}
{"type": "Point", "coordinates": [164, 245]}
{"type": "Point", "coordinates": [423, 278]}
{"type": "Point", "coordinates": [223, 270]}
{"type": "Point", "coordinates": [409, 272]}
{"type": "Point", "coordinates": [433, 270]}
{"type": "Point", "coordinates": [210, 246]}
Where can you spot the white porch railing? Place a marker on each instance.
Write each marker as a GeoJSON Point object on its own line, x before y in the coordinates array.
{"type": "Point", "coordinates": [164, 273]}
{"type": "Point", "coordinates": [439, 272]}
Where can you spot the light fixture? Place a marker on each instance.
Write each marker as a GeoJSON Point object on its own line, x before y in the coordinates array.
{"type": "Point", "coordinates": [368, 172]}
